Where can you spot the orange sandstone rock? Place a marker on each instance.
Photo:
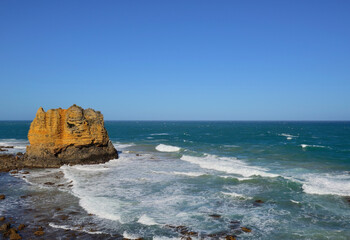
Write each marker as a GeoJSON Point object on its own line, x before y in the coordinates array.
{"type": "Point", "coordinates": [68, 136]}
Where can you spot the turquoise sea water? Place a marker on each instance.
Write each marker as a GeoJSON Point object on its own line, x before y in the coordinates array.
{"type": "Point", "coordinates": [180, 173]}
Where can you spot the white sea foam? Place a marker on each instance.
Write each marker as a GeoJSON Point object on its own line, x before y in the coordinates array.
{"type": "Point", "coordinates": [123, 145]}
{"type": "Point", "coordinates": [146, 220]}
{"type": "Point", "coordinates": [167, 148]}
{"type": "Point", "coordinates": [190, 174]}
{"type": "Point", "coordinates": [130, 236]}
{"type": "Point", "coordinates": [159, 134]}
{"type": "Point", "coordinates": [165, 238]}
{"type": "Point", "coordinates": [19, 145]}
{"type": "Point", "coordinates": [293, 201]}
{"type": "Point", "coordinates": [88, 199]}
{"type": "Point", "coordinates": [236, 195]}
{"type": "Point", "coordinates": [288, 136]}
{"type": "Point", "coordinates": [228, 165]}
{"type": "Point", "coordinates": [90, 168]}
{"type": "Point", "coordinates": [312, 146]}
{"type": "Point", "coordinates": [335, 184]}
{"type": "Point", "coordinates": [66, 227]}
{"type": "Point", "coordinates": [231, 146]}
{"type": "Point", "coordinates": [238, 178]}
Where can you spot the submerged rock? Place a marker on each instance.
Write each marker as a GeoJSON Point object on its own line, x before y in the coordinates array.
{"type": "Point", "coordinates": [230, 237]}
{"type": "Point", "coordinates": [215, 216]}
{"type": "Point", "coordinates": [13, 235]}
{"type": "Point", "coordinates": [68, 136]}
{"type": "Point", "coordinates": [2, 196]}
{"type": "Point", "coordinates": [5, 227]}
{"type": "Point", "coordinates": [21, 226]}
{"type": "Point", "coordinates": [39, 233]}
{"type": "Point", "coordinates": [245, 229]}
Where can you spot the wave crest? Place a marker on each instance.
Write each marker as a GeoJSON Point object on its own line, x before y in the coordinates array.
{"type": "Point", "coordinates": [228, 165]}
{"type": "Point", "coordinates": [167, 148]}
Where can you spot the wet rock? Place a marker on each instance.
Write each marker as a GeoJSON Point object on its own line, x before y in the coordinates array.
{"type": "Point", "coordinates": [138, 155]}
{"type": "Point", "coordinates": [39, 233]}
{"type": "Point", "coordinates": [259, 201]}
{"type": "Point", "coordinates": [2, 197]}
{"type": "Point", "coordinates": [2, 219]}
{"type": "Point", "coordinates": [9, 162]}
{"type": "Point", "coordinates": [3, 150]}
{"type": "Point", "coordinates": [14, 172]}
{"type": "Point", "coordinates": [70, 185]}
{"type": "Point", "coordinates": [73, 213]}
{"type": "Point", "coordinates": [215, 216]}
{"type": "Point", "coordinates": [230, 237]}
{"type": "Point", "coordinates": [25, 172]}
{"type": "Point", "coordinates": [217, 235]}
{"type": "Point", "coordinates": [235, 222]}
{"type": "Point", "coordinates": [49, 183]}
{"type": "Point", "coordinates": [189, 233]}
{"type": "Point", "coordinates": [186, 238]}
{"type": "Point", "coordinates": [21, 227]}
{"type": "Point", "coordinates": [13, 235]}
{"type": "Point", "coordinates": [19, 154]}
{"type": "Point", "coordinates": [25, 196]}
{"type": "Point", "coordinates": [5, 227]}
{"type": "Point", "coordinates": [181, 228]}
{"type": "Point", "coordinates": [245, 229]}
{"type": "Point", "coordinates": [58, 209]}
{"type": "Point", "coordinates": [73, 235]}
{"type": "Point", "coordinates": [6, 147]}
{"type": "Point", "coordinates": [63, 217]}
{"type": "Point", "coordinates": [347, 199]}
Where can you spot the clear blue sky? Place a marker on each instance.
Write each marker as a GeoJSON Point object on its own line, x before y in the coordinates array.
{"type": "Point", "coordinates": [177, 60]}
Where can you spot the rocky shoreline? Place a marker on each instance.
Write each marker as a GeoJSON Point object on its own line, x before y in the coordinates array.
{"type": "Point", "coordinates": [10, 162]}
{"type": "Point", "coordinates": [43, 215]}
{"type": "Point", "coordinates": [57, 137]}
{"type": "Point", "coordinates": [33, 217]}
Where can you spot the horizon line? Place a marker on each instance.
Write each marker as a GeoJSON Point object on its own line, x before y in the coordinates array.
{"type": "Point", "coordinates": [207, 120]}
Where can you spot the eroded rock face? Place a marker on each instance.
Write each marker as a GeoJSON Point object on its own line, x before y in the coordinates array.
{"type": "Point", "coordinates": [68, 136]}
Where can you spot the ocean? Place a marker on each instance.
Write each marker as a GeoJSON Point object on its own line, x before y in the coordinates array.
{"type": "Point", "coordinates": [281, 180]}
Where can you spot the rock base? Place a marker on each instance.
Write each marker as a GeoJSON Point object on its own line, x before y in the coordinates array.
{"type": "Point", "coordinates": [72, 155]}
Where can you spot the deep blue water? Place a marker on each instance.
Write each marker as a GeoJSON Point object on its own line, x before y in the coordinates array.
{"type": "Point", "coordinates": [179, 173]}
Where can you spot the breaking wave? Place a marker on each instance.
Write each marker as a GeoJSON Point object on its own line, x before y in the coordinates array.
{"type": "Point", "coordinates": [229, 165]}
{"type": "Point", "coordinates": [324, 184]}
{"type": "Point", "coordinates": [312, 146]}
{"type": "Point", "coordinates": [167, 148]}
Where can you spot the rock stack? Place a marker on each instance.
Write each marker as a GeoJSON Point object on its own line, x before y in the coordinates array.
{"type": "Point", "coordinates": [68, 136]}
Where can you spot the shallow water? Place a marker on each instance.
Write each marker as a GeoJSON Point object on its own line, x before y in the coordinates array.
{"type": "Point", "coordinates": [180, 173]}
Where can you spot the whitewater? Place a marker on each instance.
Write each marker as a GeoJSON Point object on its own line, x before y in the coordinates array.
{"type": "Point", "coordinates": [281, 180]}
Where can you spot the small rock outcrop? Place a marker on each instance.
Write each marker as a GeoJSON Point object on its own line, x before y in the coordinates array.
{"type": "Point", "coordinates": [68, 136]}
